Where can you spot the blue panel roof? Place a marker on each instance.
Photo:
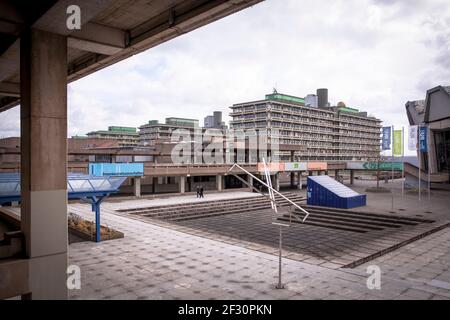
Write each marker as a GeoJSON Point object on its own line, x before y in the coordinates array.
{"type": "Point", "coordinates": [78, 186]}
{"type": "Point", "coordinates": [336, 187]}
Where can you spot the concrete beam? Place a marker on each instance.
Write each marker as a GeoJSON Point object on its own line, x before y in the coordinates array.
{"type": "Point", "coordinates": [54, 20]}
{"type": "Point", "coordinates": [10, 89]}
{"type": "Point", "coordinates": [10, 61]}
{"type": "Point", "coordinates": [98, 39]}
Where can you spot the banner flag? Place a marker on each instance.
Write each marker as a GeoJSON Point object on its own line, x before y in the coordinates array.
{"type": "Point", "coordinates": [386, 139]}
{"type": "Point", "coordinates": [398, 143]}
{"type": "Point", "coordinates": [423, 145]}
{"type": "Point", "coordinates": [412, 138]}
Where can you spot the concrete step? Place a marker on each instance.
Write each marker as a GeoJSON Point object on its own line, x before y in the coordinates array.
{"type": "Point", "coordinates": [369, 215]}
{"type": "Point", "coordinates": [344, 222]}
{"type": "Point", "coordinates": [324, 225]}
{"type": "Point", "coordinates": [202, 205]}
{"type": "Point", "coordinates": [375, 220]}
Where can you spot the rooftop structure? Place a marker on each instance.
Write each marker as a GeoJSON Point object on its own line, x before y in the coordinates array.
{"type": "Point", "coordinates": [154, 132]}
{"type": "Point", "coordinates": [126, 136]}
{"type": "Point", "coordinates": [214, 121]}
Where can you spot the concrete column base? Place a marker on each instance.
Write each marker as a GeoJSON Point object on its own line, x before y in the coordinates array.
{"type": "Point", "coordinates": [276, 182]}
{"type": "Point", "coordinates": [219, 183]}
{"type": "Point", "coordinates": [250, 182]}
{"type": "Point", "coordinates": [300, 182]}
{"type": "Point", "coordinates": [182, 184]}
{"type": "Point", "coordinates": [47, 281]}
{"type": "Point", "coordinates": [137, 186]}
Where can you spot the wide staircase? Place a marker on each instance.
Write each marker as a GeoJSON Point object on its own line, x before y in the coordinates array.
{"type": "Point", "coordinates": [355, 221]}
{"type": "Point", "coordinates": [203, 209]}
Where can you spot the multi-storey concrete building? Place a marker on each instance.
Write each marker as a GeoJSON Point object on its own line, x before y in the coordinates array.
{"type": "Point", "coordinates": [154, 132]}
{"type": "Point", "coordinates": [329, 133]}
{"type": "Point", "coordinates": [126, 136]}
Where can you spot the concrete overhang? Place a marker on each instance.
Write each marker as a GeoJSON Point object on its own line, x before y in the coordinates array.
{"type": "Point", "coordinates": [111, 30]}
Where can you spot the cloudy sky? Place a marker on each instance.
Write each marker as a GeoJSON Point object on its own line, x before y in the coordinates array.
{"type": "Point", "coordinates": [372, 54]}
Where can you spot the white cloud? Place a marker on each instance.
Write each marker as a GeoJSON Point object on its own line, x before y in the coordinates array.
{"type": "Point", "coordinates": [373, 54]}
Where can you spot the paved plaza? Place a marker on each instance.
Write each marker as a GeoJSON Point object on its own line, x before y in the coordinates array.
{"type": "Point", "coordinates": [158, 260]}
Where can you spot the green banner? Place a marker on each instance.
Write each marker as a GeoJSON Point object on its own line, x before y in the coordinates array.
{"type": "Point", "coordinates": [383, 165]}
{"type": "Point", "coordinates": [398, 143]}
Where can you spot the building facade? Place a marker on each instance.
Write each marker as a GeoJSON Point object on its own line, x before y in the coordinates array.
{"type": "Point", "coordinates": [328, 133]}
{"type": "Point", "coordinates": [154, 132]}
{"type": "Point", "coordinates": [126, 136]}
{"type": "Point", "coordinates": [433, 113]}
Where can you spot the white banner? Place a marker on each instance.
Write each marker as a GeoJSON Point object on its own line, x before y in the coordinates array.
{"type": "Point", "coordinates": [412, 138]}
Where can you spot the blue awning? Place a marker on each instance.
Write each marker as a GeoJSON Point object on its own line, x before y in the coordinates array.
{"type": "Point", "coordinates": [78, 186]}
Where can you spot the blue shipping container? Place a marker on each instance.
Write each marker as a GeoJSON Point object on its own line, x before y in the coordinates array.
{"type": "Point", "coordinates": [116, 169]}
{"type": "Point", "coordinates": [327, 192]}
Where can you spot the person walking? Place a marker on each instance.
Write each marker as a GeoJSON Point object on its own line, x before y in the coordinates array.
{"type": "Point", "coordinates": [201, 192]}
{"type": "Point", "coordinates": [198, 191]}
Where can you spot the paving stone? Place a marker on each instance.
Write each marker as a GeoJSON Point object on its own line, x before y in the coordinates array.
{"type": "Point", "coordinates": [160, 262]}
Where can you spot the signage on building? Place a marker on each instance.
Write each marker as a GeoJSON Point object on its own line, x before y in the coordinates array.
{"type": "Point", "coordinates": [423, 146]}
{"type": "Point", "coordinates": [272, 166]}
{"type": "Point", "coordinates": [372, 165]}
{"type": "Point", "coordinates": [116, 169]}
{"type": "Point", "coordinates": [317, 166]}
{"type": "Point", "coordinates": [295, 166]}
{"type": "Point", "coordinates": [386, 138]}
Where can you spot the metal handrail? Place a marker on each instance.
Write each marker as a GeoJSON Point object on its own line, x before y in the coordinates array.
{"type": "Point", "coordinates": [273, 190]}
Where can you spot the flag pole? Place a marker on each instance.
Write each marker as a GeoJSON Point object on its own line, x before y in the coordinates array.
{"type": "Point", "coordinates": [403, 160]}
{"type": "Point", "coordinates": [420, 165]}
{"type": "Point", "coordinates": [429, 162]}
{"type": "Point", "coordinates": [392, 167]}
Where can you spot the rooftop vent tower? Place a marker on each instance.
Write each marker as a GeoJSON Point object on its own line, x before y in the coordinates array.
{"type": "Point", "coordinates": [322, 97]}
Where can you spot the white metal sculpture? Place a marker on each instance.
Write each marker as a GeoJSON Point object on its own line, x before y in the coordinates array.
{"type": "Point", "coordinates": [272, 190]}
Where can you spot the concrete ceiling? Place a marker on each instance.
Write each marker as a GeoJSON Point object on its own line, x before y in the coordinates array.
{"type": "Point", "coordinates": [112, 30]}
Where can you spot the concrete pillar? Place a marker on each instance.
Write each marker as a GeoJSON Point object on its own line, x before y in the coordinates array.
{"type": "Point", "coordinates": [276, 182]}
{"type": "Point", "coordinates": [154, 184]}
{"type": "Point", "coordinates": [300, 182]}
{"type": "Point", "coordinates": [219, 183]}
{"type": "Point", "coordinates": [292, 179]}
{"type": "Point", "coordinates": [43, 124]}
{"type": "Point", "coordinates": [137, 186]}
{"type": "Point", "coordinates": [182, 184]}
{"type": "Point", "coordinates": [352, 176]}
{"type": "Point", "coordinates": [250, 182]}
{"type": "Point", "coordinates": [336, 175]}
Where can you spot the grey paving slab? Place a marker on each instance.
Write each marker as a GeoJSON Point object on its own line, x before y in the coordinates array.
{"type": "Point", "coordinates": [158, 262]}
